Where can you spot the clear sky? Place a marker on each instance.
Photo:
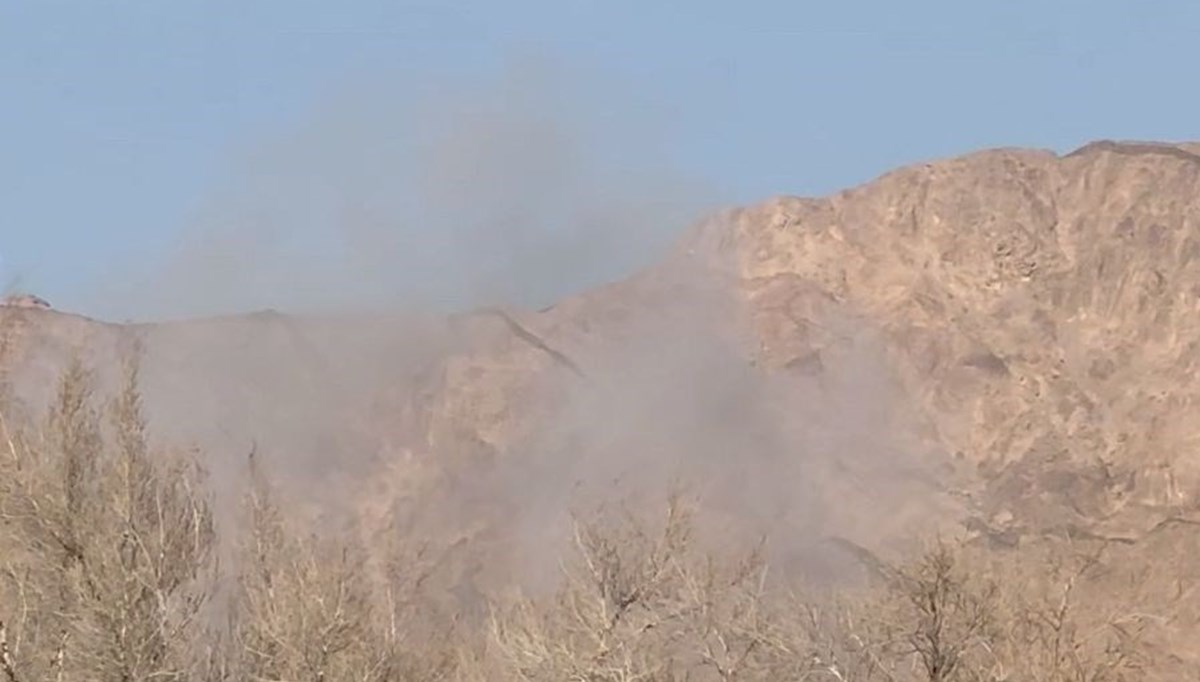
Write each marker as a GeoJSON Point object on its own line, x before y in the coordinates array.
{"type": "Point", "coordinates": [121, 120]}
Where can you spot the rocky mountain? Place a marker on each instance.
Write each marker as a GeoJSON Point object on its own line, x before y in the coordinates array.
{"type": "Point", "coordinates": [1035, 316]}
{"type": "Point", "coordinates": [1007, 340]}
{"type": "Point", "coordinates": [1004, 343]}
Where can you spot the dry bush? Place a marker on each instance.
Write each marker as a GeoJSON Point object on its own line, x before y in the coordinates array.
{"type": "Point", "coordinates": [107, 561]}
{"type": "Point", "coordinates": [1048, 635]}
{"type": "Point", "coordinates": [955, 613]}
{"type": "Point", "coordinates": [946, 615]}
{"type": "Point", "coordinates": [308, 607]}
{"type": "Point", "coordinates": [108, 568]}
{"type": "Point", "coordinates": [108, 572]}
{"type": "Point", "coordinates": [617, 614]}
{"type": "Point", "coordinates": [641, 601]}
{"type": "Point", "coordinates": [638, 604]}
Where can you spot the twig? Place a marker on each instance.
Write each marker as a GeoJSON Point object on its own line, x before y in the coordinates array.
{"type": "Point", "coordinates": [6, 660]}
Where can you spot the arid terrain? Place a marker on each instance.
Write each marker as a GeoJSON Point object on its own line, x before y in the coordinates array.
{"type": "Point", "coordinates": [997, 350]}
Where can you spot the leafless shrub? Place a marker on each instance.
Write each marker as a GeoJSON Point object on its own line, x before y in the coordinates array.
{"type": "Point", "coordinates": [309, 608]}
{"type": "Point", "coordinates": [108, 572]}
{"type": "Point", "coordinates": [615, 616]}
{"type": "Point", "coordinates": [642, 605]}
{"type": "Point", "coordinates": [948, 614]}
{"type": "Point", "coordinates": [107, 546]}
{"type": "Point", "coordinates": [953, 613]}
{"type": "Point", "coordinates": [1047, 636]}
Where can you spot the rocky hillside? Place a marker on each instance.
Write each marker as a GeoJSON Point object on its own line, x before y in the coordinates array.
{"type": "Point", "coordinates": [1003, 342]}
{"type": "Point", "coordinates": [1039, 312]}
{"type": "Point", "coordinates": [1007, 340]}
{"type": "Point", "coordinates": [1034, 314]}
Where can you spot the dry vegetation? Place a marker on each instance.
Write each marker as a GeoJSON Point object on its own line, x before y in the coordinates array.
{"type": "Point", "coordinates": [111, 569]}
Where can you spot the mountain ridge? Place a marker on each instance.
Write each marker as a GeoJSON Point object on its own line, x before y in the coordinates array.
{"type": "Point", "coordinates": [1001, 343]}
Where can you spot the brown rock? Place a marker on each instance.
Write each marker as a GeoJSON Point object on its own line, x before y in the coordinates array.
{"type": "Point", "coordinates": [25, 301]}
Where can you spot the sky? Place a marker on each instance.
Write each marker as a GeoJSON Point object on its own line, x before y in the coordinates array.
{"type": "Point", "coordinates": [126, 126]}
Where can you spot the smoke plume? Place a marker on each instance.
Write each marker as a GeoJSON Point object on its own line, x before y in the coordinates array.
{"type": "Point", "coordinates": [402, 195]}
{"type": "Point", "coordinates": [386, 203]}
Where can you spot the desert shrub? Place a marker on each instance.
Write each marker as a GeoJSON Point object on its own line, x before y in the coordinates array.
{"type": "Point", "coordinates": [109, 571]}
{"type": "Point", "coordinates": [640, 602]}
{"type": "Point", "coordinates": [107, 547]}
{"type": "Point", "coordinates": [311, 607]}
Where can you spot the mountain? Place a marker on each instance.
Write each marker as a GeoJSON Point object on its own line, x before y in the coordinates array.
{"type": "Point", "coordinates": [1002, 343]}
{"type": "Point", "coordinates": [1005, 341]}
{"type": "Point", "coordinates": [1035, 316]}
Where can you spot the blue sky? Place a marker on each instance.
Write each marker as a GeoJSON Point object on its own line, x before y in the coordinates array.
{"type": "Point", "coordinates": [124, 124]}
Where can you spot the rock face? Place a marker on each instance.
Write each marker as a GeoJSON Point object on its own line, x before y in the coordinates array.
{"type": "Point", "coordinates": [1040, 312]}
{"type": "Point", "coordinates": [1037, 318]}
{"type": "Point", "coordinates": [1038, 315]}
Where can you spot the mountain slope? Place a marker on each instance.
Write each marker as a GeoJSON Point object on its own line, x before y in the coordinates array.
{"type": "Point", "coordinates": [1002, 343]}
{"type": "Point", "coordinates": [1037, 314]}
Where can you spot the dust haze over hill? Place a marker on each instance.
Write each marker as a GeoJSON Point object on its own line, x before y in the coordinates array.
{"type": "Point", "coordinates": [996, 346]}
{"type": "Point", "coordinates": [668, 395]}
{"type": "Point", "coordinates": [428, 191]}
{"type": "Point", "coordinates": [386, 210]}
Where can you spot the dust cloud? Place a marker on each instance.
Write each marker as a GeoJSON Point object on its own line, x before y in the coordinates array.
{"type": "Point", "coordinates": [430, 192]}
{"type": "Point", "coordinates": [671, 396]}
{"type": "Point", "coordinates": [383, 212]}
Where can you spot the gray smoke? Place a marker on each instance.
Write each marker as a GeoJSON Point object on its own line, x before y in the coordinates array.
{"type": "Point", "coordinates": [519, 191]}
{"type": "Point", "coordinates": [516, 191]}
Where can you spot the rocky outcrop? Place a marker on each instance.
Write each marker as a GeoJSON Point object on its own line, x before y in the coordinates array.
{"type": "Point", "coordinates": [25, 301]}
{"type": "Point", "coordinates": [1036, 309]}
